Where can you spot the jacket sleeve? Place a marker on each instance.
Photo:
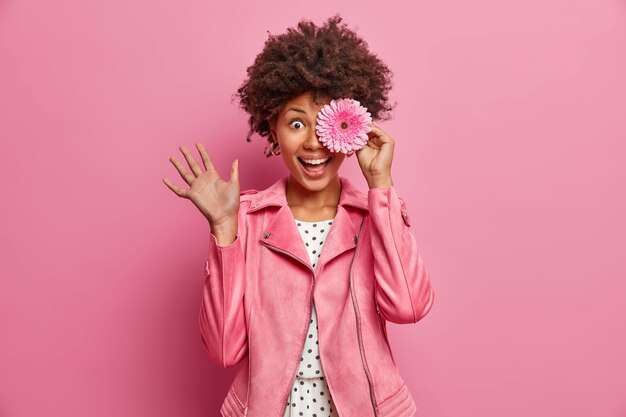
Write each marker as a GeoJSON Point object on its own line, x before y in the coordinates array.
{"type": "Point", "coordinates": [402, 285]}
{"type": "Point", "coordinates": [222, 314]}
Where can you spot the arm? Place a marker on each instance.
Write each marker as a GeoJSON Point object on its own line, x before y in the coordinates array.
{"type": "Point", "coordinates": [222, 315]}
{"type": "Point", "coordinates": [402, 285]}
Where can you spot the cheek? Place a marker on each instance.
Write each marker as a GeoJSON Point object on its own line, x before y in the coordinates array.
{"type": "Point", "coordinates": [339, 158]}
{"type": "Point", "coordinates": [288, 151]}
{"type": "Point", "coordinates": [287, 158]}
{"type": "Point", "coordinates": [288, 141]}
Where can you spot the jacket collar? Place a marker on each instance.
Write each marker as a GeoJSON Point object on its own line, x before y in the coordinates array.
{"type": "Point", "coordinates": [275, 195]}
{"type": "Point", "coordinates": [282, 233]}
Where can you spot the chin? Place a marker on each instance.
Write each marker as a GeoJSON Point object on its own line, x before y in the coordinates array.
{"type": "Point", "coordinates": [314, 184]}
{"type": "Point", "coordinates": [311, 182]}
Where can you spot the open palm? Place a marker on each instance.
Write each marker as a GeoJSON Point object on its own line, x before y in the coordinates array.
{"type": "Point", "coordinates": [218, 200]}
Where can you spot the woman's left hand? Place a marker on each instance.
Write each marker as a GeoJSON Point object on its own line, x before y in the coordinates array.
{"type": "Point", "coordinates": [375, 158]}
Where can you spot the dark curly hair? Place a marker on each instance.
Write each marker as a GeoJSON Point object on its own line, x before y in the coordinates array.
{"type": "Point", "coordinates": [329, 60]}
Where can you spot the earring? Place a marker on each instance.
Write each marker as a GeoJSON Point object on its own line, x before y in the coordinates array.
{"type": "Point", "coordinates": [273, 148]}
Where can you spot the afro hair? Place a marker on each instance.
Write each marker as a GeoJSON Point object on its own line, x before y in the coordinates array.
{"type": "Point", "coordinates": [329, 60]}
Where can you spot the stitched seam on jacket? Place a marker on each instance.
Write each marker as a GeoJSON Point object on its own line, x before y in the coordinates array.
{"type": "Point", "coordinates": [392, 394]}
{"type": "Point", "coordinates": [248, 322]}
{"type": "Point", "coordinates": [397, 252]}
{"type": "Point", "coordinates": [356, 301]}
{"type": "Point", "coordinates": [230, 405]}
{"type": "Point", "coordinates": [400, 404]}
{"type": "Point", "coordinates": [363, 344]}
{"type": "Point", "coordinates": [223, 316]}
{"type": "Point", "coordinates": [243, 407]}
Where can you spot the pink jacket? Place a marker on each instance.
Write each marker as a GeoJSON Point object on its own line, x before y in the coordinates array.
{"type": "Point", "coordinates": [258, 291]}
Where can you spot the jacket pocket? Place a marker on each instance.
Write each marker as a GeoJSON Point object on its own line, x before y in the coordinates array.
{"type": "Point", "coordinates": [233, 406]}
{"type": "Point", "coordinates": [383, 329]}
{"type": "Point", "coordinates": [398, 404]}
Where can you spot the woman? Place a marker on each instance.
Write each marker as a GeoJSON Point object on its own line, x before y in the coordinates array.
{"type": "Point", "coordinates": [301, 277]}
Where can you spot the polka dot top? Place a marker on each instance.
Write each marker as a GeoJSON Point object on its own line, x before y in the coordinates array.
{"type": "Point", "coordinates": [313, 234]}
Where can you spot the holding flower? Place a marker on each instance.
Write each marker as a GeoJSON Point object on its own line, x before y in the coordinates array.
{"type": "Point", "coordinates": [288, 97]}
{"type": "Point", "coordinates": [343, 125]}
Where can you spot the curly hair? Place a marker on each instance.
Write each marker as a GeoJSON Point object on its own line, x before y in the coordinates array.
{"type": "Point", "coordinates": [329, 60]}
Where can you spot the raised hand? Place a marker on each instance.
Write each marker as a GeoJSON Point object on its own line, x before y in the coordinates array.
{"type": "Point", "coordinates": [218, 200]}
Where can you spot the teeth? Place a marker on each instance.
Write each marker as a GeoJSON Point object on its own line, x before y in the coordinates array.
{"type": "Point", "coordinates": [314, 161]}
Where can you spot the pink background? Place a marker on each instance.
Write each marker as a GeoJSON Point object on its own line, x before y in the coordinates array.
{"type": "Point", "coordinates": [510, 149]}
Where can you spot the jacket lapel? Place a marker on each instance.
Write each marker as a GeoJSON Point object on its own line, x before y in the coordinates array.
{"type": "Point", "coordinates": [341, 237]}
{"type": "Point", "coordinates": [282, 232]}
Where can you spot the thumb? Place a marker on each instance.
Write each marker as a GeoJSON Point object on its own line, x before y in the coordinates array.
{"type": "Point", "coordinates": [234, 171]}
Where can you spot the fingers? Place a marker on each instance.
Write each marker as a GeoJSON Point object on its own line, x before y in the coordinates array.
{"type": "Point", "coordinates": [197, 171]}
{"type": "Point", "coordinates": [208, 164]}
{"type": "Point", "coordinates": [192, 162]}
{"type": "Point", "coordinates": [377, 130]}
{"type": "Point", "coordinates": [179, 191]}
{"type": "Point", "coordinates": [380, 134]}
{"type": "Point", "coordinates": [187, 176]}
{"type": "Point", "coordinates": [374, 132]}
{"type": "Point", "coordinates": [234, 171]}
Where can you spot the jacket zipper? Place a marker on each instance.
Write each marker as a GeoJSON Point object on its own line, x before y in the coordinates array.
{"type": "Point", "coordinates": [367, 374]}
{"type": "Point", "coordinates": [358, 327]}
{"type": "Point", "coordinates": [307, 320]}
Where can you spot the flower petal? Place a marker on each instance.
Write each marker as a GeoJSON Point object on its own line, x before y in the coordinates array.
{"type": "Point", "coordinates": [343, 124]}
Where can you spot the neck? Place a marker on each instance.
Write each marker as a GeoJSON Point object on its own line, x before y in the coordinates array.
{"type": "Point", "coordinates": [313, 200]}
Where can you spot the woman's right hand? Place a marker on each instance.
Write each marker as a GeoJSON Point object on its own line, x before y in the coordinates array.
{"type": "Point", "coordinates": [218, 200]}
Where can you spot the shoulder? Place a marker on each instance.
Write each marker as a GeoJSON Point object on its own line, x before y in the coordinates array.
{"type": "Point", "coordinates": [247, 195]}
{"type": "Point", "coordinates": [351, 195]}
{"type": "Point", "coordinates": [274, 195]}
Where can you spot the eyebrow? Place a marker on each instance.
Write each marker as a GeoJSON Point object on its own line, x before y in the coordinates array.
{"type": "Point", "coordinates": [295, 109]}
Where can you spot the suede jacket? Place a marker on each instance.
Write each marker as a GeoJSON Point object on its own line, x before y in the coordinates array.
{"type": "Point", "coordinates": [258, 293]}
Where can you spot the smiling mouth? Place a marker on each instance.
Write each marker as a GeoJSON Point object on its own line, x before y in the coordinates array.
{"type": "Point", "coordinates": [315, 168]}
{"type": "Point", "coordinates": [314, 165]}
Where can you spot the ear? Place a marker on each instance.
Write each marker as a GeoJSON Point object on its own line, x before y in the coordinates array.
{"type": "Point", "coordinates": [272, 124]}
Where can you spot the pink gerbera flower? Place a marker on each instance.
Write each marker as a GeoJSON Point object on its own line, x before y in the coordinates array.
{"type": "Point", "coordinates": [343, 125]}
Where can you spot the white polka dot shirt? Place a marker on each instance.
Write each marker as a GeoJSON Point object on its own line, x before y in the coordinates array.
{"type": "Point", "coordinates": [313, 234]}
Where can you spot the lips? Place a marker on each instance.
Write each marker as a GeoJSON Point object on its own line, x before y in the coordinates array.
{"type": "Point", "coordinates": [313, 165]}
{"type": "Point", "coordinates": [315, 171]}
{"type": "Point", "coordinates": [315, 157]}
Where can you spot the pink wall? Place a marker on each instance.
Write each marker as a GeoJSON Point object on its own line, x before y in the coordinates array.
{"type": "Point", "coordinates": [510, 135]}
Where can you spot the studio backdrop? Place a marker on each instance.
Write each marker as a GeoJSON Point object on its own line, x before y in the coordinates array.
{"type": "Point", "coordinates": [510, 147]}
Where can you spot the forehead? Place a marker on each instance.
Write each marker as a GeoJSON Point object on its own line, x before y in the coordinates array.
{"type": "Point", "coordinates": [306, 103]}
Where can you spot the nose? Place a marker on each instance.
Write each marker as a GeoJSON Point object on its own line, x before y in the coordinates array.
{"type": "Point", "coordinates": [312, 140]}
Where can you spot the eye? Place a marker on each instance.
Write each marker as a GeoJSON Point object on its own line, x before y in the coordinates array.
{"type": "Point", "coordinates": [296, 124]}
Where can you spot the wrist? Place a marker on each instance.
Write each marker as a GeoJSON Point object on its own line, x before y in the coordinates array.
{"type": "Point", "coordinates": [226, 222]}
{"type": "Point", "coordinates": [382, 181]}
{"type": "Point", "coordinates": [225, 230]}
